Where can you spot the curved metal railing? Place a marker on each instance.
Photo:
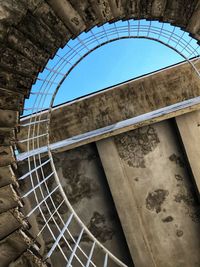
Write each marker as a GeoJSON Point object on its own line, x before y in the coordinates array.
{"type": "Point", "coordinates": [48, 83]}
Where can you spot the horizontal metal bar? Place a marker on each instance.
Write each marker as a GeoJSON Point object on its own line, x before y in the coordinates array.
{"type": "Point", "coordinates": [36, 108]}
{"type": "Point", "coordinates": [39, 184]}
{"type": "Point", "coordinates": [35, 169]}
{"type": "Point", "coordinates": [47, 81]}
{"type": "Point", "coordinates": [59, 237]}
{"type": "Point", "coordinates": [55, 71]}
{"type": "Point", "coordinates": [33, 123]}
{"type": "Point", "coordinates": [41, 93]}
{"type": "Point", "coordinates": [31, 138]}
{"type": "Point", "coordinates": [44, 199]}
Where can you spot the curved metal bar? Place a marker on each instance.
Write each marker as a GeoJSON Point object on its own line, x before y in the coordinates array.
{"type": "Point", "coordinates": [50, 86]}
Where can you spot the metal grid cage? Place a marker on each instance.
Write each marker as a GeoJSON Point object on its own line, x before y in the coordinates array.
{"type": "Point", "coordinates": [47, 85]}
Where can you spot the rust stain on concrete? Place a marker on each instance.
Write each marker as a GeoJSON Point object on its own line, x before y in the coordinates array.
{"type": "Point", "coordinates": [168, 219]}
{"type": "Point", "coordinates": [135, 145]}
{"type": "Point", "coordinates": [177, 160]}
{"type": "Point", "coordinates": [186, 197]}
{"type": "Point", "coordinates": [155, 200]}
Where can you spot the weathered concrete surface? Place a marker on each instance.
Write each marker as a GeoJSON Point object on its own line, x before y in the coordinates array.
{"type": "Point", "coordinates": [10, 221]}
{"type": "Point", "coordinates": [153, 193]}
{"type": "Point", "coordinates": [7, 136]}
{"type": "Point", "coordinates": [6, 155]}
{"type": "Point", "coordinates": [85, 184]}
{"type": "Point", "coordinates": [10, 101]}
{"type": "Point", "coordinates": [32, 31]}
{"type": "Point", "coordinates": [13, 246]}
{"type": "Point", "coordinates": [8, 118]}
{"type": "Point", "coordinates": [131, 99]}
{"type": "Point", "coordinates": [188, 127]}
{"type": "Point", "coordinates": [28, 258]}
{"type": "Point", "coordinates": [7, 176]}
{"type": "Point", "coordinates": [194, 22]}
{"type": "Point", "coordinates": [8, 198]}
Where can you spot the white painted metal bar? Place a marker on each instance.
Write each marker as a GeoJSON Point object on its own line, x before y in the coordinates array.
{"type": "Point", "coordinates": [36, 108]}
{"type": "Point", "coordinates": [59, 237]}
{"type": "Point", "coordinates": [44, 199]}
{"type": "Point", "coordinates": [33, 170]}
{"type": "Point", "coordinates": [90, 255]}
{"type": "Point", "coordinates": [105, 261]}
{"type": "Point", "coordinates": [39, 184]}
{"type": "Point", "coordinates": [55, 71]}
{"type": "Point", "coordinates": [51, 216]}
{"type": "Point", "coordinates": [32, 138]}
{"type": "Point", "coordinates": [34, 122]}
{"type": "Point", "coordinates": [111, 128]}
{"type": "Point", "coordinates": [41, 93]}
{"type": "Point", "coordinates": [56, 75]}
{"type": "Point", "coordinates": [75, 248]}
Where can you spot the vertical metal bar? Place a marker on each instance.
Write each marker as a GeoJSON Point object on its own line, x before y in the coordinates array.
{"type": "Point", "coordinates": [36, 168]}
{"type": "Point", "coordinates": [138, 29]}
{"type": "Point", "coordinates": [51, 216]}
{"type": "Point", "coordinates": [149, 29]}
{"type": "Point", "coordinates": [75, 248]}
{"type": "Point", "coordinates": [59, 237]}
{"type": "Point", "coordinates": [90, 255]}
{"type": "Point", "coordinates": [44, 199]}
{"type": "Point", "coordinates": [105, 260]}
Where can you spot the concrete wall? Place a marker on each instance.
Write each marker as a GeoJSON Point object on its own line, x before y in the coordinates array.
{"type": "Point", "coordinates": [31, 33]}
{"type": "Point", "coordinates": [154, 193]}
{"type": "Point", "coordinates": [128, 100]}
{"type": "Point", "coordinates": [83, 179]}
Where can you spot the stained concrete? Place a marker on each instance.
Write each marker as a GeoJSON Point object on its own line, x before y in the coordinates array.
{"type": "Point", "coordinates": [118, 103]}
{"type": "Point", "coordinates": [35, 30]}
{"type": "Point", "coordinates": [84, 182]}
{"type": "Point", "coordinates": [153, 193]}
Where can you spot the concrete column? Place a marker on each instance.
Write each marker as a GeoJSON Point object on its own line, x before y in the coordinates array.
{"type": "Point", "coordinates": [153, 195]}
{"type": "Point", "coordinates": [189, 129]}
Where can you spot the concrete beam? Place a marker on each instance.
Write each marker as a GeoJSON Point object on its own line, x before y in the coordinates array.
{"type": "Point", "coordinates": [126, 205]}
{"type": "Point", "coordinates": [189, 129]}
{"type": "Point", "coordinates": [153, 194]}
{"type": "Point", "coordinates": [112, 130]}
{"type": "Point", "coordinates": [131, 99]}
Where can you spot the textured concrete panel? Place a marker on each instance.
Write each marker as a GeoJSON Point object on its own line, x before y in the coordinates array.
{"type": "Point", "coordinates": [154, 194]}
{"type": "Point", "coordinates": [121, 102]}
{"type": "Point", "coordinates": [85, 185]}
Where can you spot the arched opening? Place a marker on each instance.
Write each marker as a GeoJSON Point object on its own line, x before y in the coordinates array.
{"type": "Point", "coordinates": [54, 76]}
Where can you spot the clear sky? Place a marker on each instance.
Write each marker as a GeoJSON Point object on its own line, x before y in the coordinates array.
{"type": "Point", "coordinates": [114, 63]}
{"type": "Point", "coordinates": [111, 64]}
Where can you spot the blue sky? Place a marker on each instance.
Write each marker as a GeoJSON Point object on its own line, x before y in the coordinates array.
{"type": "Point", "coordinates": [114, 63]}
{"type": "Point", "coordinates": [110, 64]}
